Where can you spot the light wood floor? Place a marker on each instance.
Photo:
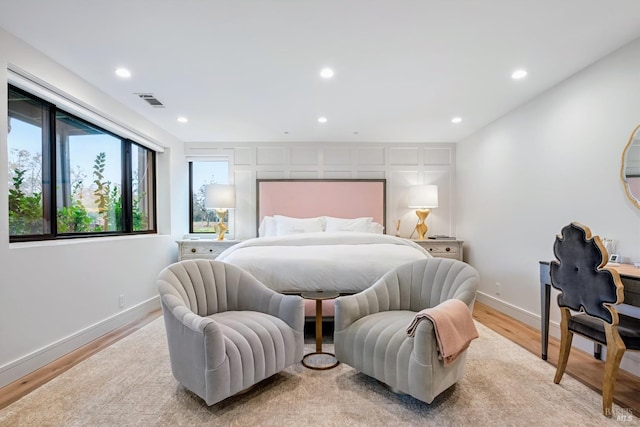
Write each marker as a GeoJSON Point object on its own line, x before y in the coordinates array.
{"type": "Point", "coordinates": [28, 383]}
{"type": "Point", "coordinates": [581, 366]}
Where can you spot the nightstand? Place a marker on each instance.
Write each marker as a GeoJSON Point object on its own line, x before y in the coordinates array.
{"type": "Point", "coordinates": [202, 248]}
{"type": "Point", "coordinates": [442, 248]}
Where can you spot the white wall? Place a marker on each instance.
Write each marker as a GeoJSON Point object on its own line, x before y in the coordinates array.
{"type": "Point", "coordinates": [402, 165]}
{"type": "Point", "coordinates": [510, 189]}
{"type": "Point", "coordinates": [57, 296]}
{"type": "Point", "coordinates": [554, 160]}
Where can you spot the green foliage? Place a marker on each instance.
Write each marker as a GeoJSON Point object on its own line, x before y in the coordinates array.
{"type": "Point", "coordinates": [31, 165]}
{"type": "Point", "coordinates": [74, 219]}
{"type": "Point", "coordinates": [25, 211]}
{"type": "Point", "coordinates": [140, 220]}
{"type": "Point", "coordinates": [102, 187]}
{"type": "Point", "coordinates": [115, 210]}
{"type": "Point", "coordinates": [108, 201]}
{"type": "Point", "coordinates": [202, 217]}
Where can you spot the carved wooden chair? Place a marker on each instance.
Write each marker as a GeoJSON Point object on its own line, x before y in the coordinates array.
{"type": "Point", "coordinates": [592, 291]}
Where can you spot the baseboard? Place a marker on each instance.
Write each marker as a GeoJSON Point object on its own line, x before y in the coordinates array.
{"type": "Point", "coordinates": [630, 362]}
{"type": "Point", "coordinates": [524, 316]}
{"type": "Point", "coordinates": [39, 358]}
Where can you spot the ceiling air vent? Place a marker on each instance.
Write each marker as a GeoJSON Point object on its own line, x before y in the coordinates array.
{"type": "Point", "coordinates": [150, 99]}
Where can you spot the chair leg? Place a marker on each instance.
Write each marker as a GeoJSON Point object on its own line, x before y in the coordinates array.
{"type": "Point", "coordinates": [615, 351]}
{"type": "Point", "coordinates": [566, 337]}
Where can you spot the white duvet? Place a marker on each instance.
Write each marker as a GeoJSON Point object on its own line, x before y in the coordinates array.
{"type": "Point", "coordinates": [347, 262]}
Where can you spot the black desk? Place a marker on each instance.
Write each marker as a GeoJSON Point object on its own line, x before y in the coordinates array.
{"type": "Point", "coordinates": [545, 302]}
{"type": "Point", "coordinates": [630, 276]}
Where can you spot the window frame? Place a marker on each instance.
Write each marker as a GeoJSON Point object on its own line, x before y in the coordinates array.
{"type": "Point", "coordinates": [230, 217]}
{"type": "Point", "coordinates": [49, 177]}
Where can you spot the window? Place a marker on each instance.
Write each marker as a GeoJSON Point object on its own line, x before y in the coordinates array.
{"type": "Point", "coordinates": [103, 183]}
{"type": "Point", "coordinates": [26, 151]}
{"type": "Point", "coordinates": [201, 174]}
{"type": "Point", "coordinates": [142, 188]}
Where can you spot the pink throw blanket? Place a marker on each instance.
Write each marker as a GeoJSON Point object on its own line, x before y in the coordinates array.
{"type": "Point", "coordinates": [453, 325]}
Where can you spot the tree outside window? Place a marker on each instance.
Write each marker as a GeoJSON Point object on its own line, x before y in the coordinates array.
{"type": "Point", "coordinates": [203, 173]}
{"type": "Point", "coordinates": [103, 183]}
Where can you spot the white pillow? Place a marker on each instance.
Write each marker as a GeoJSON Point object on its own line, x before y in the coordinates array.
{"type": "Point", "coordinates": [347, 224]}
{"type": "Point", "coordinates": [287, 225]}
{"type": "Point", "coordinates": [267, 227]}
{"type": "Point", "coordinates": [376, 228]}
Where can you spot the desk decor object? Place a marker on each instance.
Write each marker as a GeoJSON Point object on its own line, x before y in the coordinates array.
{"type": "Point", "coordinates": [221, 198]}
{"type": "Point", "coordinates": [423, 198]}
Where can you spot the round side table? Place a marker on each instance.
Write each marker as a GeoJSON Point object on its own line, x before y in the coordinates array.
{"type": "Point", "coordinates": [319, 297]}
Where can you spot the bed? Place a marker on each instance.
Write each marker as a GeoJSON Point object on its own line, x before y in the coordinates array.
{"type": "Point", "coordinates": [342, 261]}
{"type": "Point", "coordinates": [321, 235]}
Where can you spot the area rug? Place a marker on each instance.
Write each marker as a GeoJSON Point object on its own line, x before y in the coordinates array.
{"type": "Point", "coordinates": [130, 384]}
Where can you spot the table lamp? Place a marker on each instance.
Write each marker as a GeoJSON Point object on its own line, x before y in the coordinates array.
{"type": "Point", "coordinates": [422, 198]}
{"type": "Point", "coordinates": [221, 198]}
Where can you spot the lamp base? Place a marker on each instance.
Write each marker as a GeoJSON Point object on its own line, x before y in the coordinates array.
{"type": "Point", "coordinates": [421, 227]}
{"type": "Point", "coordinates": [221, 228]}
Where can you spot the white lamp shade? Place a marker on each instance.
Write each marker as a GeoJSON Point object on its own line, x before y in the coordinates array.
{"type": "Point", "coordinates": [220, 196]}
{"type": "Point", "coordinates": [423, 196]}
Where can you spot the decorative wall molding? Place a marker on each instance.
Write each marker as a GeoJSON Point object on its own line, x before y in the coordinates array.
{"type": "Point", "coordinates": [402, 165]}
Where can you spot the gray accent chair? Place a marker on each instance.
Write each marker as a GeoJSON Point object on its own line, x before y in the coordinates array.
{"type": "Point", "coordinates": [371, 327]}
{"type": "Point", "coordinates": [226, 330]}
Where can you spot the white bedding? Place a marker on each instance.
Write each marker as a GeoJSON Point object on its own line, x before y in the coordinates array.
{"type": "Point", "coordinates": [346, 261]}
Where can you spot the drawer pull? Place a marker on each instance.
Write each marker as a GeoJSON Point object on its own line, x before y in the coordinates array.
{"type": "Point", "coordinates": [448, 249]}
{"type": "Point", "coordinates": [430, 249]}
{"type": "Point", "coordinates": [210, 250]}
{"type": "Point", "coordinates": [193, 250]}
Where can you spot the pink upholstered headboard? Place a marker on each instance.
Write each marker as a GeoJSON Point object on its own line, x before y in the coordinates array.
{"type": "Point", "coordinates": [306, 198]}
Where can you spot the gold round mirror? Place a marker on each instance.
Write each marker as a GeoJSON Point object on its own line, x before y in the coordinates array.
{"type": "Point", "coordinates": [630, 170]}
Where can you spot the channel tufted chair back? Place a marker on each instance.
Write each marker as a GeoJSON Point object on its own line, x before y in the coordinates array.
{"type": "Point", "coordinates": [226, 331]}
{"type": "Point", "coordinates": [426, 283]}
{"type": "Point", "coordinates": [371, 327]}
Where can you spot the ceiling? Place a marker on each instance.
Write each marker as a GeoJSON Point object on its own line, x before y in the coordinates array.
{"type": "Point", "coordinates": [248, 70]}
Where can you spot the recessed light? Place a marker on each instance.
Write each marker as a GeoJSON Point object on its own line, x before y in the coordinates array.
{"type": "Point", "coordinates": [123, 73]}
{"type": "Point", "coordinates": [322, 120]}
{"type": "Point", "coordinates": [519, 74]}
{"type": "Point", "coordinates": [183, 119]}
{"type": "Point", "coordinates": [456, 120]}
{"type": "Point", "coordinates": [326, 73]}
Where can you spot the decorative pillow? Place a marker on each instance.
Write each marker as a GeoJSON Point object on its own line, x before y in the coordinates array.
{"type": "Point", "coordinates": [267, 227]}
{"type": "Point", "coordinates": [287, 225]}
{"type": "Point", "coordinates": [347, 224]}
